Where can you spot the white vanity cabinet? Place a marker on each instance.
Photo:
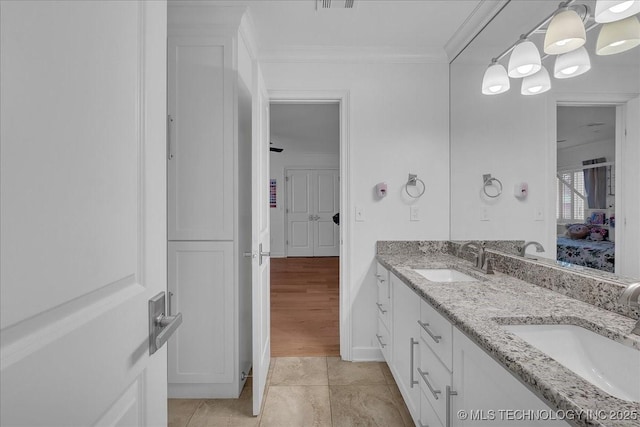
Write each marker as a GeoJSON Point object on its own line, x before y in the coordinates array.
{"type": "Point", "coordinates": [488, 393]}
{"type": "Point", "coordinates": [405, 313]}
{"type": "Point", "coordinates": [383, 308]}
{"type": "Point", "coordinates": [440, 372]}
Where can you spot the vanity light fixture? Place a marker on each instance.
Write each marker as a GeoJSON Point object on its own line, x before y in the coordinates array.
{"type": "Point", "coordinates": [615, 10]}
{"type": "Point", "coordinates": [565, 36]}
{"type": "Point", "coordinates": [565, 33]}
{"type": "Point", "coordinates": [495, 80]}
{"type": "Point", "coordinates": [525, 59]}
{"type": "Point", "coordinates": [618, 36]}
{"type": "Point", "coordinates": [572, 64]}
{"type": "Point", "coordinates": [537, 83]}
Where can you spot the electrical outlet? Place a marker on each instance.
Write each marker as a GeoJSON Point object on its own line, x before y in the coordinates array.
{"type": "Point", "coordinates": [414, 213]}
{"type": "Point", "coordinates": [359, 214]}
{"type": "Point", "coordinates": [484, 213]}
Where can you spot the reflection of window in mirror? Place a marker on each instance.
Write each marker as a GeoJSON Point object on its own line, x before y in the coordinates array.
{"type": "Point", "coordinates": [585, 214]}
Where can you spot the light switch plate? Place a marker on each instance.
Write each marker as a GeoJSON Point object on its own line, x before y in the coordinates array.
{"type": "Point", "coordinates": [414, 213]}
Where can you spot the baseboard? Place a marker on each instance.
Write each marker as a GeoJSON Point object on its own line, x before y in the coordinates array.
{"type": "Point", "coordinates": [366, 354]}
{"type": "Point", "coordinates": [203, 391]}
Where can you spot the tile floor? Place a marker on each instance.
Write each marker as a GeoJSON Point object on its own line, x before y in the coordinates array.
{"type": "Point", "coordinates": [306, 391]}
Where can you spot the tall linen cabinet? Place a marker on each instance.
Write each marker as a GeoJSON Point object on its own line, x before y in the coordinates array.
{"type": "Point", "coordinates": [210, 77]}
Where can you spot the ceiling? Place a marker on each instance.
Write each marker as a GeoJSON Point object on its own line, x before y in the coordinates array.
{"type": "Point", "coordinates": [417, 26]}
{"type": "Point", "coordinates": [310, 128]}
{"type": "Point", "coordinates": [584, 125]}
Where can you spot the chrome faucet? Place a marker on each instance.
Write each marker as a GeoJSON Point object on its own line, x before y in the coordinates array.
{"type": "Point", "coordinates": [481, 262]}
{"type": "Point", "coordinates": [523, 248]}
{"type": "Point", "coordinates": [631, 297]}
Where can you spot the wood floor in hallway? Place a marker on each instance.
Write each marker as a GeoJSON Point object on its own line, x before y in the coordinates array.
{"type": "Point", "coordinates": [305, 307]}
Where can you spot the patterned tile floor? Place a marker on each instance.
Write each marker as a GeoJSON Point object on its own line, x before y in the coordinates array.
{"type": "Point", "coordinates": [306, 391]}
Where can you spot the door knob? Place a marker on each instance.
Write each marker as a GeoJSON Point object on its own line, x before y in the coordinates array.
{"type": "Point", "coordinates": [262, 254]}
{"type": "Point", "coordinates": [161, 326]}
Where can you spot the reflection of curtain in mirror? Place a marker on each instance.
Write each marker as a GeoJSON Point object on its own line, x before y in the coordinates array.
{"type": "Point", "coordinates": [595, 184]}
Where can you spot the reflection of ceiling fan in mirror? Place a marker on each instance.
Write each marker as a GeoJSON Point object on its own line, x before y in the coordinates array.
{"type": "Point", "coordinates": [277, 150]}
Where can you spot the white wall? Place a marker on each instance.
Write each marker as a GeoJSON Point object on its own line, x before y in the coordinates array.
{"type": "Point", "coordinates": [279, 162]}
{"type": "Point", "coordinates": [513, 137]}
{"type": "Point", "coordinates": [398, 124]}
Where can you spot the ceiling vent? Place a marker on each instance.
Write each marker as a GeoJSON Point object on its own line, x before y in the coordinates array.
{"type": "Point", "coordinates": [334, 4]}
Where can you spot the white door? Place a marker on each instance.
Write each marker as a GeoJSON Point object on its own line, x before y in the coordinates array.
{"type": "Point", "coordinates": [83, 202]}
{"type": "Point", "coordinates": [312, 199]}
{"type": "Point", "coordinates": [299, 213]}
{"type": "Point", "coordinates": [326, 233]}
{"type": "Point", "coordinates": [260, 242]}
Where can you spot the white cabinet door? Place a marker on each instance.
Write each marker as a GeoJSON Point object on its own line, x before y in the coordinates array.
{"type": "Point", "coordinates": [83, 202]}
{"type": "Point", "coordinates": [200, 141]}
{"type": "Point", "coordinates": [313, 197]}
{"type": "Point", "coordinates": [201, 280]}
{"type": "Point", "coordinates": [405, 313]}
{"type": "Point", "coordinates": [485, 388]}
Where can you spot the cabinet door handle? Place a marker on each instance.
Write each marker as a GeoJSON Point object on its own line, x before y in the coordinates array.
{"type": "Point", "coordinates": [412, 343]}
{"type": "Point", "coordinates": [383, 345]}
{"type": "Point", "coordinates": [426, 381]}
{"type": "Point", "coordinates": [380, 308]}
{"type": "Point", "coordinates": [448, 405]}
{"type": "Point", "coordinates": [436, 338]}
{"type": "Point", "coordinates": [169, 148]}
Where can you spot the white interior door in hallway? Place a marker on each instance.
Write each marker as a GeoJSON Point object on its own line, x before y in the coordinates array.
{"type": "Point", "coordinates": [83, 224]}
{"type": "Point", "coordinates": [313, 198]}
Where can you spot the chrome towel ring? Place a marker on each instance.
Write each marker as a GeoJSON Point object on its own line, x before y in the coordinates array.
{"type": "Point", "coordinates": [413, 182]}
{"type": "Point", "coordinates": [489, 181]}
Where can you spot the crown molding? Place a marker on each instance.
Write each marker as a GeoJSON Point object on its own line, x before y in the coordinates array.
{"type": "Point", "coordinates": [333, 54]}
{"type": "Point", "coordinates": [484, 12]}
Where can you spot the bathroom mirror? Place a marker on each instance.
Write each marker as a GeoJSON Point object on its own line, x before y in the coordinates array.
{"type": "Point", "coordinates": [514, 138]}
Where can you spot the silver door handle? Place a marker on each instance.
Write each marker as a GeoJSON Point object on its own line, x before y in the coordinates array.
{"type": "Point", "coordinates": [161, 327]}
{"type": "Point", "coordinates": [169, 150]}
{"type": "Point", "coordinates": [248, 255]}
{"type": "Point", "coordinates": [262, 254]}
{"type": "Point", "coordinates": [426, 381]}
{"type": "Point", "coordinates": [448, 405]}
{"type": "Point", "coordinates": [411, 380]}
{"type": "Point", "coordinates": [169, 324]}
{"type": "Point", "coordinates": [436, 338]}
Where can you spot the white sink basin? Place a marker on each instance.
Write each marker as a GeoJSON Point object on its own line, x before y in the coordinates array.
{"type": "Point", "coordinates": [609, 365]}
{"type": "Point", "coordinates": [444, 275]}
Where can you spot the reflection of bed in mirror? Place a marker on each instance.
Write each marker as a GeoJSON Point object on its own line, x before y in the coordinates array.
{"type": "Point", "coordinates": [594, 254]}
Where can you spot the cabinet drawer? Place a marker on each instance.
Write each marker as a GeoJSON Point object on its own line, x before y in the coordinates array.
{"type": "Point", "coordinates": [437, 332]}
{"type": "Point", "coordinates": [434, 378]}
{"type": "Point", "coordinates": [384, 341]}
{"type": "Point", "coordinates": [383, 304]}
{"type": "Point", "coordinates": [428, 417]}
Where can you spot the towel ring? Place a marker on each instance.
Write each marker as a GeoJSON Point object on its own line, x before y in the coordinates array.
{"type": "Point", "coordinates": [489, 182]}
{"type": "Point", "coordinates": [413, 180]}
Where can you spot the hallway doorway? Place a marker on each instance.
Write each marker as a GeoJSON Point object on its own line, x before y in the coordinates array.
{"type": "Point", "coordinates": [305, 233]}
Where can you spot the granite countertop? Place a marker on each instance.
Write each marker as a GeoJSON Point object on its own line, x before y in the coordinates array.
{"type": "Point", "coordinates": [478, 308]}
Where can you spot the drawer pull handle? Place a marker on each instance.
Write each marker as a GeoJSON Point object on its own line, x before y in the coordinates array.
{"type": "Point", "coordinates": [383, 345]}
{"type": "Point", "coordinates": [448, 405]}
{"type": "Point", "coordinates": [436, 338]}
{"type": "Point", "coordinates": [426, 381]}
{"type": "Point", "coordinates": [413, 343]}
{"type": "Point", "coordinates": [380, 308]}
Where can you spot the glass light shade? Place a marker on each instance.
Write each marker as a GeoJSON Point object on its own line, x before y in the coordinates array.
{"type": "Point", "coordinates": [615, 10]}
{"type": "Point", "coordinates": [495, 80]}
{"type": "Point", "coordinates": [524, 60]}
{"type": "Point", "coordinates": [616, 37]}
{"type": "Point", "coordinates": [572, 64]}
{"type": "Point", "coordinates": [565, 33]}
{"type": "Point", "coordinates": [537, 83]}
